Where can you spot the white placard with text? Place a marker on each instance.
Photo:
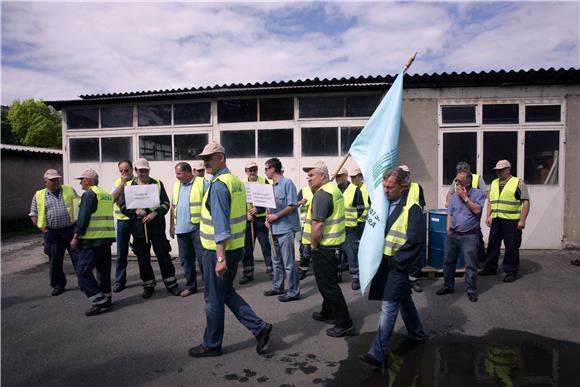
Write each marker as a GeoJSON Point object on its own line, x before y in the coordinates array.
{"type": "Point", "coordinates": [141, 196]}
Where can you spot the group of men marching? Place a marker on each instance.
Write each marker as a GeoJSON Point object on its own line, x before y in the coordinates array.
{"type": "Point", "coordinates": [216, 229]}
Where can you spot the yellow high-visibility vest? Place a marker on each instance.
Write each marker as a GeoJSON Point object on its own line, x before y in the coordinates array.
{"type": "Point", "coordinates": [68, 194]}
{"type": "Point", "coordinates": [365, 194]}
{"type": "Point", "coordinates": [505, 205]}
{"type": "Point", "coordinates": [195, 198]}
{"type": "Point", "coordinates": [308, 195]}
{"type": "Point", "coordinates": [237, 215]}
{"type": "Point", "coordinates": [259, 180]}
{"type": "Point", "coordinates": [397, 235]}
{"type": "Point", "coordinates": [414, 193]}
{"type": "Point", "coordinates": [102, 223]}
{"type": "Point", "coordinates": [333, 233]}
{"type": "Point", "coordinates": [475, 180]}
{"type": "Point", "coordinates": [118, 214]}
{"type": "Point", "coordinates": [350, 213]}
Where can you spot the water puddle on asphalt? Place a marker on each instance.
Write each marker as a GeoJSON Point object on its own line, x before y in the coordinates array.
{"type": "Point", "coordinates": [500, 358]}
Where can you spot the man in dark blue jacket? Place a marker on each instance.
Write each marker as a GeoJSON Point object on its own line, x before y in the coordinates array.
{"type": "Point", "coordinates": [404, 239]}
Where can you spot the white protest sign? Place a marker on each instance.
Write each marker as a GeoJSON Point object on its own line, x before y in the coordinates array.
{"type": "Point", "coordinates": [141, 196]}
{"type": "Point", "coordinates": [262, 195]}
{"type": "Point", "coordinates": [248, 192]}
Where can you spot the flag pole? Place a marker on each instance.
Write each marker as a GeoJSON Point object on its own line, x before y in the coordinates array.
{"type": "Point", "coordinates": [409, 63]}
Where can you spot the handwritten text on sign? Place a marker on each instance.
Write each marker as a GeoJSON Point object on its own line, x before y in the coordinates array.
{"type": "Point", "coordinates": [260, 195]}
{"type": "Point", "coordinates": [141, 196]}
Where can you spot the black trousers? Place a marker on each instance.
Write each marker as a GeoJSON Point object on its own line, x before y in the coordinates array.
{"type": "Point", "coordinates": [56, 242]}
{"type": "Point", "coordinates": [506, 230]}
{"type": "Point", "coordinates": [161, 248]}
{"type": "Point", "coordinates": [333, 304]}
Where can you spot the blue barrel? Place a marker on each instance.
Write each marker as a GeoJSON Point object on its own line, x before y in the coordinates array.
{"type": "Point", "coordinates": [437, 235]}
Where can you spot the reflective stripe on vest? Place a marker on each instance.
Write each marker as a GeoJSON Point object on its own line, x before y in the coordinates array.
{"type": "Point", "coordinates": [414, 192]}
{"type": "Point", "coordinates": [397, 235]}
{"type": "Point", "coordinates": [333, 233]}
{"type": "Point", "coordinates": [195, 198]}
{"type": "Point", "coordinates": [68, 194]}
{"type": "Point", "coordinates": [365, 194]}
{"type": "Point", "coordinates": [259, 180]}
{"type": "Point", "coordinates": [118, 214]}
{"type": "Point", "coordinates": [102, 223]}
{"type": "Point", "coordinates": [237, 215]}
{"type": "Point", "coordinates": [308, 195]}
{"type": "Point", "coordinates": [505, 205]}
{"type": "Point", "coordinates": [350, 214]}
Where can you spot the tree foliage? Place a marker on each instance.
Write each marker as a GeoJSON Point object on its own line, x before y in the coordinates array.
{"type": "Point", "coordinates": [35, 124]}
{"type": "Point", "coordinates": [7, 136]}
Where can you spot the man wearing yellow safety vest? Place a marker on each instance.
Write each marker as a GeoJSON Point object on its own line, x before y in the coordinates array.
{"type": "Point", "coordinates": [507, 211]}
{"type": "Point", "coordinates": [353, 210]}
{"type": "Point", "coordinates": [52, 212]}
{"type": "Point", "coordinates": [356, 178]}
{"type": "Point", "coordinates": [148, 228]}
{"type": "Point", "coordinates": [324, 230]}
{"type": "Point", "coordinates": [94, 234]}
{"type": "Point", "coordinates": [404, 239]}
{"type": "Point", "coordinates": [222, 233]}
{"type": "Point", "coordinates": [304, 198]}
{"type": "Point", "coordinates": [123, 225]}
{"type": "Point", "coordinates": [256, 227]}
{"type": "Point", "coordinates": [415, 194]}
{"type": "Point", "coordinates": [185, 217]}
{"type": "Point", "coordinates": [478, 183]}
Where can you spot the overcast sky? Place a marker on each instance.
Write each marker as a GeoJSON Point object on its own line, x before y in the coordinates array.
{"type": "Point", "coordinates": [55, 51]}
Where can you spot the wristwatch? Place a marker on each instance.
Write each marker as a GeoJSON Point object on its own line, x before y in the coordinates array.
{"type": "Point", "coordinates": [221, 259]}
{"type": "Point", "coordinates": [465, 200]}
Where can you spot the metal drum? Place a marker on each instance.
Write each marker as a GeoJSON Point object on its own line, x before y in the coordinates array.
{"type": "Point", "coordinates": [437, 235]}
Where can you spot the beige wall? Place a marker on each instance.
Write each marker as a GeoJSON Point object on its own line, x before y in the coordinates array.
{"type": "Point", "coordinates": [572, 182]}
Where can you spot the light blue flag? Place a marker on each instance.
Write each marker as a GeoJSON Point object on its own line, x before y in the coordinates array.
{"type": "Point", "coordinates": [375, 151]}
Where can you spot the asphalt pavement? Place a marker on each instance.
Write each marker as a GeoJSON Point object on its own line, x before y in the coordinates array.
{"type": "Point", "coordinates": [523, 333]}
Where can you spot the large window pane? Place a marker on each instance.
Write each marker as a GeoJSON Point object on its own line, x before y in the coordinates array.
{"type": "Point", "coordinates": [117, 117]}
{"type": "Point", "coordinates": [154, 115]}
{"type": "Point", "coordinates": [458, 147]}
{"type": "Point", "coordinates": [240, 143]}
{"type": "Point", "coordinates": [83, 118]}
{"type": "Point", "coordinates": [275, 109]}
{"type": "Point", "coordinates": [500, 114]}
{"type": "Point", "coordinates": [319, 141]}
{"type": "Point", "coordinates": [543, 113]}
{"type": "Point", "coordinates": [499, 146]}
{"type": "Point", "coordinates": [116, 148]}
{"type": "Point", "coordinates": [458, 114]}
{"type": "Point", "coordinates": [238, 110]}
{"type": "Point", "coordinates": [83, 150]}
{"type": "Point", "coordinates": [541, 157]}
{"type": "Point", "coordinates": [155, 148]}
{"type": "Point", "coordinates": [275, 143]}
{"type": "Point", "coordinates": [191, 113]}
{"type": "Point", "coordinates": [362, 105]}
{"type": "Point", "coordinates": [188, 146]}
{"type": "Point", "coordinates": [347, 136]}
{"type": "Point", "coordinates": [316, 107]}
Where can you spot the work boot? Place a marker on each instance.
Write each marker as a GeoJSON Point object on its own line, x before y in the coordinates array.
{"type": "Point", "coordinates": [245, 279]}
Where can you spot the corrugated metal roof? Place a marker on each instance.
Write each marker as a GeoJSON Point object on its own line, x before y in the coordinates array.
{"type": "Point", "coordinates": [473, 79]}
{"type": "Point", "coordinates": [21, 148]}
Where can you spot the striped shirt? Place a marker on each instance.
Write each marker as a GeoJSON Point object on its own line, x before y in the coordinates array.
{"type": "Point", "coordinates": [56, 214]}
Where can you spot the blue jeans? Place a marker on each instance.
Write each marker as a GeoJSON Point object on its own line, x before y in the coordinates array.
{"type": "Point", "coordinates": [189, 246]}
{"type": "Point", "coordinates": [219, 292]}
{"type": "Point", "coordinates": [261, 232]}
{"type": "Point", "coordinates": [123, 235]}
{"type": "Point", "coordinates": [284, 264]}
{"type": "Point", "coordinates": [98, 289]}
{"type": "Point", "coordinates": [387, 319]}
{"type": "Point", "coordinates": [467, 245]}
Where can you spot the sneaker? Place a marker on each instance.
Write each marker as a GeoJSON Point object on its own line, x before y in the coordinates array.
{"type": "Point", "coordinates": [486, 272]}
{"type": "Point", "coordinates": [355, 285]}
{"type": "Point", "coordinates": [320, 317]}
{"type": "Point", "coordinates": [443, 290]}
{"type": "Point", "coordinates": [271, 292]}
{"type": "Point", "coordinates": [472, 297]}
{"type": "Point", "coordinates": [98, 309]}
{"type": "Point", "coordinates": [509, 278]}
{"type": "Point", "coordinates": [188, 292]}
{"type": "Point", "coordinates": [287, 298]}
{"type": "Point", "coordinates": [118, 287]}
{"type": "Point", "coordinates": [263, 337]}
{"type": "Point", "coordinates": [201, 351]}
{"type": "Point", "coordinates": [340, 332]}
{"type": "Point", "coordinates": [370, 360]}
{"type": "Point", "coordinates": [57, 291]}
{"type": "Point", "coordinates": [148, 291]}
{"type": "Point", "coordinates": [245, 279]}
